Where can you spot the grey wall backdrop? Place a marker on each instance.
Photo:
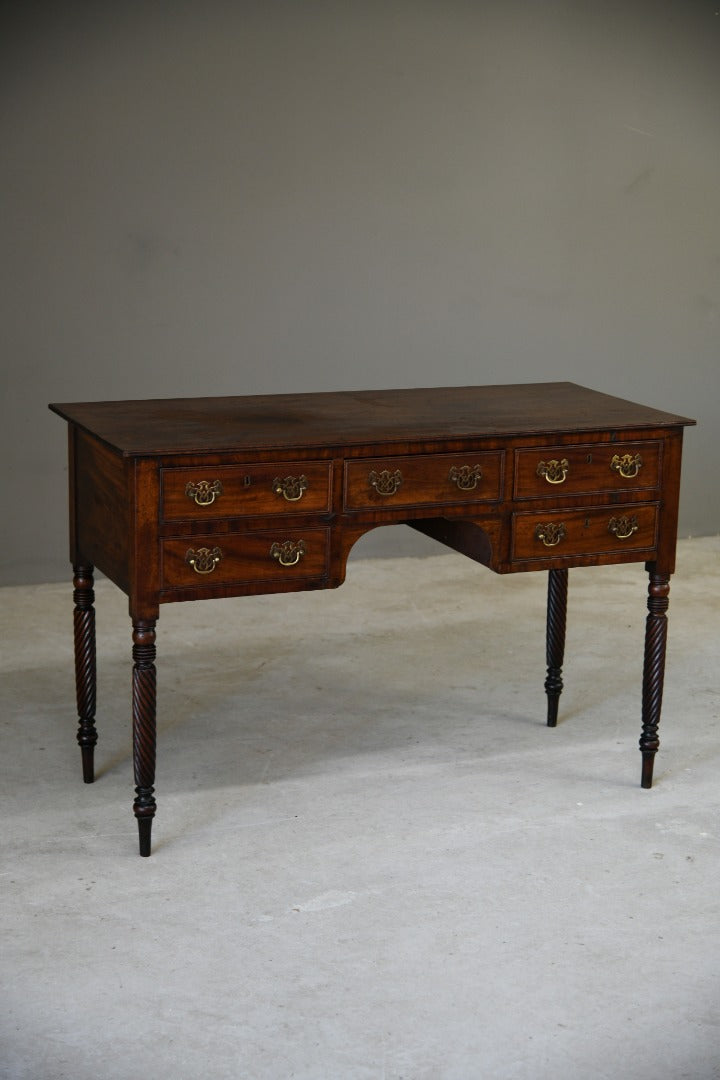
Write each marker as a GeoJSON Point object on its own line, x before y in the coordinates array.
{"type": "Point", "coordinates": [223, 198]}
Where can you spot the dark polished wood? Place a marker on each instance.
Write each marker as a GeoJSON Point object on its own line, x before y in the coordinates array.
{"type": "Point", "coordinates": [144, 728]}
{"type": "Point", "coordinates": [199, 498]}
{"type": "Point", "coordinates": [653, 669]}
{"type": "Point", "coordinates": [555, 640]}
{"type": "Point", "coordinates": [85, 667]}
{"type": "Point", "coordinates": [352, 418]}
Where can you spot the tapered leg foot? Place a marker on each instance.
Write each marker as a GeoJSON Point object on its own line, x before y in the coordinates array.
{"type": "Point", "coordinates": [144, 833]}
{"type": "Point", "coordinates": [88, 763]}
{"type": "Point", "coordinates": [555, 641]}
{"type": "Point", "coordinates": [653, 670]}
{"type": "Point", "coordinates": [144, 727]}
{"type": "Point", "coordinates": [85, 667]}
{"type": "Point", "coordinates": [646, 777]}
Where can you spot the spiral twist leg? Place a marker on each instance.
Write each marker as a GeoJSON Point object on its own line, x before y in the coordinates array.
{"type": "Point", "coordinates": [555, 641]}
{"type": "Point", "coordinates": [143, 704]}
{"type": "Point", "coordinates": [85, 671]}
{"type": "Point", "coordinates": [653, 671]}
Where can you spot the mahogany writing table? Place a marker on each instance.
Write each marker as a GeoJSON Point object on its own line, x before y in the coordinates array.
{"type": "Point", "coordinates": [190, 499]}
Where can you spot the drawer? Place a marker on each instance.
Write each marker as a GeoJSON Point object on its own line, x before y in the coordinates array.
{"type": "Point", "coordinates": [593, 531]}
{"type": "Point", "coordinates": [224, 491]}
{"type": "Point", "coordinates": [583, 469]}
{"type": "Point", "coordinates": [272, 555]}
{"type": "Point", "coordinates": [423, 480]}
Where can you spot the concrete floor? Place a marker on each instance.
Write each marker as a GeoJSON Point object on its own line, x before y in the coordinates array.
{"type": "Point", "coordinates": [372, 859]}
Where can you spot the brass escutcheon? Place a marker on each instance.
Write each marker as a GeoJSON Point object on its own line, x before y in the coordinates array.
{"type": "Point", "coordinates": [288, 553]}
{"type": "Point", "coordinates": [622, 527]}
{"type": "Point", "coordinates": [204, 560]}
{"type": "Point", "coordinates": [385, 482]}
{"type": "Point", "coordinates": [291, 488]}
{"type": "Point", "coordinates": [204, 492]}
{"type": "Point", "coordinates": [554, 471]}
{"type": "Point", "coordinates": [466, 477]}
{"type": "Point", "coordinates": [629, 465]}
{"type": "Point", "coordinates": [551, 533]}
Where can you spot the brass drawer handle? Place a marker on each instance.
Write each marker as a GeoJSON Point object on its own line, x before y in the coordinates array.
{"type": "Point", "coordinates": [385, 482]}
{"type": "Point", "coordinates": [204, 492]}
{"type": "Point", "coordinates": [288, 553]}
{"type": "Point", "coordinates": [466, 477]}
{"type": "Point", "coordinates": [629, 465]}
{"type": "Point", "coordinates": [204, 560]}
{"type": "Point", "coordinates": [554, 471]}
{"type": "Point", "coordinates": [551, 533]}
{"type": "Point", "coordinates": [622, 527]}
{"type": "Point", "coordinates": [291, 488]}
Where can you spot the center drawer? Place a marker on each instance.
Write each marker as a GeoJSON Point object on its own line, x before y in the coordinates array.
{"type": "Point", "coordinates": [423, 480]}
{"type": "Point", "coordinates": [224, 491]}
{"type": "Point", "coordinates": [241, 558]}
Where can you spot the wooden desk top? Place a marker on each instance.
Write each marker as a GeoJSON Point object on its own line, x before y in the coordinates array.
{"type": "Point", "coordinates": [149, 428]}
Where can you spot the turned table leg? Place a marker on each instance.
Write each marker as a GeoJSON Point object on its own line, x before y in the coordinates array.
{"type": "Point", "coordinates": [143, 705]}
{"type": "Point", "coordinates": [555, 640]}
{"type": "Point", "coordinates": [85, 668]}
{"type": "Point", "coordinates": [654, 670]}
